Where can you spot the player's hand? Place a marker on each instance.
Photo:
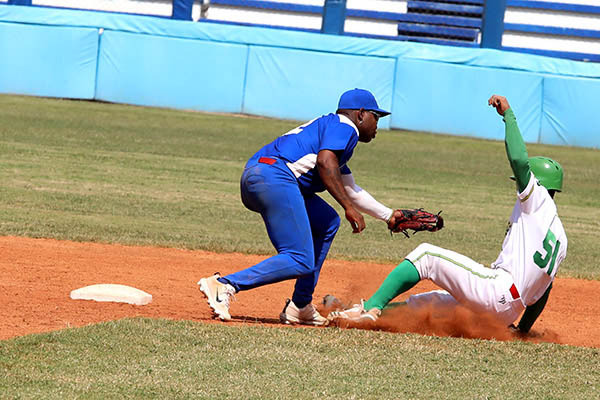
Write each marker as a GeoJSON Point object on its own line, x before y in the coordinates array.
{"type": "Point", "coordinates": [392, 221]}
{"type": "Point", "coordinates": [499, 103]}
{"type": "Point", "coordinates": [356, 220]}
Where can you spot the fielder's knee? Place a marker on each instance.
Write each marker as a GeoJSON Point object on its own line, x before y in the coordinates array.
{"type": "Point", "coordinates": [334, 225]}
{"type": "Point", "coordinates": [304, 261]}
{"type": "Point", "coordinates": [328, 232]}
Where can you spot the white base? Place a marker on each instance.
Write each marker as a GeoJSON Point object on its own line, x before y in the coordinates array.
{"type": "Point", "coordinates": [112, 292]}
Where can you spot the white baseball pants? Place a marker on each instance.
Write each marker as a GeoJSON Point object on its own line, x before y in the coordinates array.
{"type": "Point", "coordinates": [477, 287]}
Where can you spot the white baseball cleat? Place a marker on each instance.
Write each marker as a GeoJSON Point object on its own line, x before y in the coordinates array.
{"type": "Point", "coordinates": [356, 314]}
{"type": "Point", "coordinates": [218, 296]}
{"type": "Point", "coordinates": [306, 315]}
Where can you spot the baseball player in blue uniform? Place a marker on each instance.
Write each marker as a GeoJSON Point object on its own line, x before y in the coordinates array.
{"type": "Point", "coordinates": [281, 182]}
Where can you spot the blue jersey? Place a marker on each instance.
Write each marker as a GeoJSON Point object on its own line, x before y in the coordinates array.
{"type": "Point", "coordinates": [300, 146]}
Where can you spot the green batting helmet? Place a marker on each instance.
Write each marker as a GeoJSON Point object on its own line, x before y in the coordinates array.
{"type": "Point", "coordinates": [548, 172]}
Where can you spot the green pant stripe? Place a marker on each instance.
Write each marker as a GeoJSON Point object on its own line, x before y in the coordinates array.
{"type": "Point", "coordinates": [457, 264]}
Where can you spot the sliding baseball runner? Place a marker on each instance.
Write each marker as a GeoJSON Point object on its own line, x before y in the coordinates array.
{"type": "Point", "coordinates": [520, 279]}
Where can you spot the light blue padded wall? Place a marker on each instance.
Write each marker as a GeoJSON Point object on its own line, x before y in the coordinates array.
{"type": "Point", "coordinates": [51, 61]}
{"type": "Point", "coordinates": [295, 75]}
{"type": "Point", "coordinates": [571, 114]}
{"type": "Point", "coordinates": [302, 85]}
{"type": "Point", "coordinates": [170, 72]}
{"type": "Point", "coordinates": [452, 99]}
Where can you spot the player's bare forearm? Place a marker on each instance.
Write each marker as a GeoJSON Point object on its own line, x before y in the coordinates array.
{"type": "Point", "coordinates": [329, 171]}
{"type": "Point", "coordinates": [515, 146]}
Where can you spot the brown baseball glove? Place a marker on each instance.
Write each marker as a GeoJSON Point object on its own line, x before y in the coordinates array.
{"type": "Point", "coordinates": [417, 220]}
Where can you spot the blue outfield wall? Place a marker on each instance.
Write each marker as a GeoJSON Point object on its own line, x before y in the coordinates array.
{"type": "Point", "coordinates": [48, 60]}
{"type": "Point", "coordinates": [299, 84]}
{"type": "Point", "coordinates": [293, 75]}
{"type": "Point", "coordinates": [445, 98]}
{"type": "Point", "coordinates": [571, 112]}
{"type": "Point", "coordinates": [171, 72]}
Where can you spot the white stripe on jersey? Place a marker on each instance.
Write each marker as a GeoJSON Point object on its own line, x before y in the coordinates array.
{"type": "Point", "coordinates": [303, 165]}
{"type": "Point", "coordinates": [298, 129]}
{"type": "Point", "coordinates": [348, 121]}
{"type": "Point", "coordinates": [308, 162]}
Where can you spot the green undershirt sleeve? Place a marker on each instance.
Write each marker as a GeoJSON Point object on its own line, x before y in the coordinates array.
{"type": "Point", "coordinates": [533, 311]}
{"type": "Point", "coordinates": [402, 278]}
{"type": "Point", "coordinates": [516, 150]}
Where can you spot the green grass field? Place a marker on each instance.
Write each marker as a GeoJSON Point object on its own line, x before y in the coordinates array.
{"type": "Point", "coordinates": [90, 171]}
{"type": "Point", "coordinates": [144, 358]}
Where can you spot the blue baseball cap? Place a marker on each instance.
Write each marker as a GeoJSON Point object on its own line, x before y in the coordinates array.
{"type": "Point", "coordinates": [356, 99]}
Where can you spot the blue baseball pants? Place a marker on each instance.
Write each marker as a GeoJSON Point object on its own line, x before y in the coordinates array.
{"type": "Point", "coordinates": [301, 228]}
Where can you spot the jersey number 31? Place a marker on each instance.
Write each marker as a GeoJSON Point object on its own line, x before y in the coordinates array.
{"type": "Point", "coordinates": [551, 246]}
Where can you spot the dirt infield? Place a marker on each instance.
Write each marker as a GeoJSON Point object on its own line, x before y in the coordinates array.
{"type": "Point", "coordinates": [38, 275]}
